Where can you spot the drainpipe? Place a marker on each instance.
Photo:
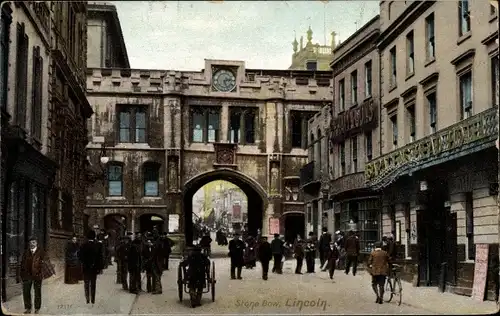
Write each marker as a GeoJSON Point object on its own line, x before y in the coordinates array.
{"type": "Point", "coordinates": [495, 4]}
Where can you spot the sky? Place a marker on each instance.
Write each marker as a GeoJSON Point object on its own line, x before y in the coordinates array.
{"type": "Point", "coordinates": [180, 35]}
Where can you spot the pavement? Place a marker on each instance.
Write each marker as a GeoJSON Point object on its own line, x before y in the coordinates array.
{"type": "Point", "coordinates": [281, 294]}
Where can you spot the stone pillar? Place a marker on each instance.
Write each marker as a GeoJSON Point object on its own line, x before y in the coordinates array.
{"type": "Point", "coordinates": [224, 123]}
{"type": "Point", "coordinates": [457, 202]}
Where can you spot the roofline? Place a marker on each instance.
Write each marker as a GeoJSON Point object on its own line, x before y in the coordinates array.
{"type": "Point", "coordinates": [350, 38]}
{"type": "Point", "coordinates": [105, 7]}
{"type": "Point", "coordinates": [202, 70]}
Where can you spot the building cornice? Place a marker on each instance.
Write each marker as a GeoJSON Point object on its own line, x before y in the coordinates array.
{"type": "Point", "coordinates": [403, 21]}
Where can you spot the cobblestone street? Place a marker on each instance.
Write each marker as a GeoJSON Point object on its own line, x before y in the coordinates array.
{"type": "Point", "coordinates": [287, 293]}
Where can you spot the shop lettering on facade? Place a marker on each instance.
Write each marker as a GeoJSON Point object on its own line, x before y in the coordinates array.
{"type": "Point", "coordinates": [466, 132]}
{"type": "Point", "coordinates": [352, 120]}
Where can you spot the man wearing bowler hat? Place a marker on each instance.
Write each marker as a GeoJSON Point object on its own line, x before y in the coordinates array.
{"type": "Point", "coordinates": [236, 251]}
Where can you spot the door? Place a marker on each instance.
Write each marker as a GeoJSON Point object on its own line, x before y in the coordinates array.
{"type": "Point", "coordinates": [423, 246]}
{"type": "Point", "coordinates": [451, 247]}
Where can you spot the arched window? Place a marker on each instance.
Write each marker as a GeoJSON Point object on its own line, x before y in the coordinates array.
{"type": "Point", "coordinates": [151, 173]}
{"type": "Point", "coordinates": [115, 179]}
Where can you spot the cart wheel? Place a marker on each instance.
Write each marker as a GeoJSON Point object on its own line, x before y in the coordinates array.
{"type": "Point", "coordinates": [180, 282]}
{"type": "Point", "coordinates": [213, 281]}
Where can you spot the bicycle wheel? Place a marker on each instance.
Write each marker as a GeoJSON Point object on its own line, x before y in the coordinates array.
{"type": "Point", "coordinates": [388, 290]}
{"type": "Point", "coordinates": [398, 290]}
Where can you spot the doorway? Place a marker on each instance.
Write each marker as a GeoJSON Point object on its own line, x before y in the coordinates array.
{"type": "Point", "coordinates": [295, 224]}
{"type": "Point", "coordinates": [437, 239]}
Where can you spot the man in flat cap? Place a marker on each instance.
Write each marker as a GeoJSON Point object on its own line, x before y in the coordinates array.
{"type": "Point", "coordinates": [236, 252]}
{"type": "Point", "coordinates": [122, 258]}
{"type": "Point", "coordinates": [31, 274]}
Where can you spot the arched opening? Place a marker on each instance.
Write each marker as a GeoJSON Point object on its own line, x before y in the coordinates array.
{"type": "Point", "coordinates": [150, 222]}
{"type": "Point", "coordinates": [295, 224]}
{"type": "Point", "coordinates": [116, 226]}
{"type": "Point", "coordinates": [255, 196]}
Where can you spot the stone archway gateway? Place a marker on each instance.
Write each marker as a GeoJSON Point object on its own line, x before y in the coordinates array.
{"type": "Point", "coordinates": [256, 196]}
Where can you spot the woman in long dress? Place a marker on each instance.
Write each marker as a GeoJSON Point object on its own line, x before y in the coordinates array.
{"type": "Point", "coordinates": [72, 269]}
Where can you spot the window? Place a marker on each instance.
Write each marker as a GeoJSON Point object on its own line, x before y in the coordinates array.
{"type": "Point", "coordinates": [21, 75]}
{"type": "Point", "coordinates": [394, 126]}
{"type": "Point", "coordinates": [311, 148]}
{"type": "Point", "coordinates": [412, 122]}
{"type": "Point", "coordinates": [466, 95]}
{"type": "Point", "coordinates": [312, 65]}
{"type": "Point", "coordinates": [242, 125]}
{"type": "Point", "coordinates": [299, 128]}
{"type": "Point", "coordinates": [410, 62]}
{"type": "Point", "coordinates": [431, 103]}
{"type": "Point", "coordinates": [354, 87]}
{"type": "Point", "coordinates": [368, 79]}
{"type": "Point", "coordinates": [151, 172]}
{"type": "Point", "coordinates": [463, 17]}
{"type": "Point", "coordinates": [369, 145]}
{"type": "Point", "coordinates": [342, 95]}
{"type": "Point", "coordinates": [393, 68]}
{"type": "Point", "coordinates": [36, 105]}
{"type": "Point", "coordinates": [115, 179]}
{"type": "Point", "coordinates": [354, 153]}
{"type": "Point", "coordinates": [132, 124]}
{"type": "Point", "coordinates": [4, 55]}
{"type": "Point", "coordinates": [494, 80]}
{"type": "Point", "coordinates": [342, 158]}
{"type": "Point", "coordinates": [205, 124]}
{"type": "Point", "coordinates": [469, 222]}
{"type": "Point", "coordinates": [429, 31]}
{"type": "Point", "coordinates": [318, 144]}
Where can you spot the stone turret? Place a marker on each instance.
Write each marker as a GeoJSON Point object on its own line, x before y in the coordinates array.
{"type": "Point", "coordinates": [309, 35]}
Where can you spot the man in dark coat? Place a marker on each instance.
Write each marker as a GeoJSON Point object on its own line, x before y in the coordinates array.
{"type": "Point", "coordinates": [134, 266]}
{"type": "Point", "coordinates": [104, 248]}
{"type": "Point", "coordinates": [166, 249]}
{"type": "Point", "coordinates": [236, 251]}
{"type": "Point", "coordinates": [92, 261]}
{"type": "Point", "coordinates": [352, 253]}
{"type": "Point", "coordinates": [250, 253]}
{"type": "Point", "coordinates": [152, 266]}
{"type": "Point", "coordinates": [72, 264]}
{"type": "Point", "coordinates": [265, 255]}
{"type": "Point", "coordinates": [31, 275]}
{"type": "Point", "coordinates": [333, 256]}
{"type": "Point", "coordinates": [205, 243]}
{"type": "Point", "coordinates": [278, 249]}
{"type": "Point", "coordinates": [324, 246]}
{"type": "Point", "coordinates": [310, 250]}
{"type": "Point", "coordinates": [122, 260]}
{"type": "Point", "coordinates": [298, 252]}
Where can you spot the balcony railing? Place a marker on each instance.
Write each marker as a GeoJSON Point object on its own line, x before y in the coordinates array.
{"type": "Point", "coordinates": [465, 137]}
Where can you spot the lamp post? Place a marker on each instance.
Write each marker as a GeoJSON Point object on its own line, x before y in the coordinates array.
{"type": "Point", "coordinates": [92, 175]}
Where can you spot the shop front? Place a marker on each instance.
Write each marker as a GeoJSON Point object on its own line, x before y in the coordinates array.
{"type": "Point", "coordinates": [28, 179]}
{"type": "Point", "coordinates": [439, 201]}
{"type": "Point", "coordinates": [359, 210]}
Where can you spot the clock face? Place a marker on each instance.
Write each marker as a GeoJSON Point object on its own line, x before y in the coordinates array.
{"type": "Point", "coordinates": [224, 81]}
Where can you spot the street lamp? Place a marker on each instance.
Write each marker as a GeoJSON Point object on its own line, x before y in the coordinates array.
{"type": "Point", "coordinates": [97, 173]}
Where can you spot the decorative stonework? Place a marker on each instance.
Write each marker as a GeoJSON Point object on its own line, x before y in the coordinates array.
{"type": "Point", "coordinates": [225, 155]}
{"type": "Point", "coordinates": [173, 174]}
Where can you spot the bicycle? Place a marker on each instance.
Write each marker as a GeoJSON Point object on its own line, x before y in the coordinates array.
{"type": "Point", "coordinates": [393, 284]}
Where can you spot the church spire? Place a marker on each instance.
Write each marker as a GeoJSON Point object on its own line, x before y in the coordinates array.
{"type": "Point", "coordinates": [309, 35]}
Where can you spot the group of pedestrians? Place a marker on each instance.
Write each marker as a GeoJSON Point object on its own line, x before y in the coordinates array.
{"type": "Point", "coordinates": [331, 250]}
{"type": "Point", "coordinates": [149, 254]}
